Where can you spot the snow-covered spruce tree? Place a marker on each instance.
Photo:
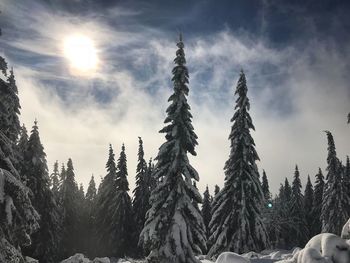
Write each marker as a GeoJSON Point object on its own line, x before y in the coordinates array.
{"type": "Point", "coordinates": [237, 224]}
{"type": "Point", "coordinates": [150, 175]}
{"type": "Point", "coordinates": [317, 204]}
{"type": "Point", "coordinates": [82, 226]}
{"type": "Point", "coordinates": [46, 240]}
{"type": "Point", "coordinates": [141, 192]}
{"type": "Point", "coordinates": [61, 179]}
{"type": "Point", "coordinates": [335, 199]}
{"type": "Point", "coordinates": [216, 190]}
{"type": "Point", "coordinates": [106, 207]}
{"type": "Point", "coordinates": [265, 187]}
{"type": "Point", "coordinates": [10, 124]}
{"type": "Point", "coordinates": [287, 191]}
{"type": "Point", "coordinates": [297, 212]}
{"type": "Point", "coordinates": [55, 183]}
{"type": "Point", "coordinates": [266, 209]}
{"type": "Point", "coordinates": [18, 218]}
{"type": "Point", "coordinates": [308, 205]}
{"type": "Point", "coordinates": [174, 227]}
{"type": "Point", "coordinates": [70, 235]}
{"type": "Point", "coordinates": [206, 209]}
{"type": "Point", "coordinates": [114, 219]}
{"type": "Point", "coordinates": [123, 222]}
{"type": "Point", "coordinates": [90, 200]}
{"type": "Point", "coordinates": [21, 147]}
{"type": "Point", "coordinates": [194, 200]}
{"type": "Point", "coordinates": [346, 181]}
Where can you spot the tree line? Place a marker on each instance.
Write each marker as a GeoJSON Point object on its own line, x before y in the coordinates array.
{"type": "Point", "coordinates": [166, 219]}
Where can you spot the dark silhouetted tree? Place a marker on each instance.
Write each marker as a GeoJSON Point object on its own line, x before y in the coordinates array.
{"type": "Point", "coordinates": [237, 224]}
{"type": "Point", "coordinates": [173, 214]}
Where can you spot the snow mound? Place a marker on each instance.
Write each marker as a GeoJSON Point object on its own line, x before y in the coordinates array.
{"type": "Point", "coordinates": [77, 258]}
{"type": "Point", "coordinates": [322, 248]}
{"type": "Point", "coordinates": [345, 233]}
{"type": "Point", "coordinates": [101, 260]}
{"type": "Point", "coordinates": [31, 260]}
{"type": "Point", "coordinates": [251, 254]}
{"type": "Point", "coordinates": [230, 257]}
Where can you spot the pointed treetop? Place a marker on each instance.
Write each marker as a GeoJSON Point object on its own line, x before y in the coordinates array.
{"type": "Point", "coordinates": [180, 37]}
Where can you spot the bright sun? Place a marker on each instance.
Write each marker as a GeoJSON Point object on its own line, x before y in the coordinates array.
{"type": "Point", "coordinates": [81, 52]}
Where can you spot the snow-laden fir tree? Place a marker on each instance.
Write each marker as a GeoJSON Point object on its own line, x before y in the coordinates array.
{"type": "Point", "coordinates": [46, 240]}
{"type": "Point", "coordinates": [237, 224]}
{"type": "Point", "coordinates": [69, 203]}
{"type": "Point", "coordinates": [114, 219]}
{"type": "Point", "coordinates": [123, 222]}
{"type": "Point", "coordinates": [90, 200]}
{"type": "Point", "coordinates": [276, 221]}
{"type": "Point", "coordinates": [335, 199]}
{"type": "Point", "coordinates": [9, 123]}
{"type": "Point", "coordinates": [174, 231]}
{"type": "Point", "coordinates": [55, 183]}
{"type": "Point", "coordinates": [287, 192]}
{"type": "Point", "coordinates": [299, 235]}
{"type": "Point", "coordinates": [308, 205]}
{"type": "Point", "coordinates": [346, 181]}
{"type": "Point", "coordinates": [194, 200]}
{"type": "Point", "coordinates": [206, 209]}
{"type": "Point", "coordinates": [18, 218]}
{"type": "Point", "coordinates": [82, 224]}
{"type": "Point", "coordinates": [61, 178]}
{"type": "Point", "coordinates": [106, 207]}
{"type": "Point", "coordinates": [216, 190]}
{"type": "Point", "coordinates": [265, 187]}
{"type": "Point", "coordinates": [141, 192]}
{"type": "Point", "coordinates": [150, 175]}
{"type": "Point", "coordinates": [287, 223]}
{"type": "Point", "coordinates": [21, 147]}
{"type": "Point", "coordinates": [317, 203]}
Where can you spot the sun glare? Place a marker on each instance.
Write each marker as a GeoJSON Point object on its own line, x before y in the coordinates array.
{"type": "Point", "coordinates": [81, 52]}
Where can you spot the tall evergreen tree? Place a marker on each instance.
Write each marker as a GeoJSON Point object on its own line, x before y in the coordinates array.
{"type": "Point", "coordinates": [123, 219]}
{"type": "Point", "coordinates": [216, 190]}
{"type": "Point", "coordinates": [21, 148]}
{"type": "Point", "coordinates": [46, 241]}
{"type": "Point", "coordinates": [317, 204]}
{"type": "Point", "coordinates": [105, 208]}
{"type": "Point", "coordinates": [141, 192]}
{"type": "Point", "coordinates": [335, 200]}
{"type": "Point", "coordinates": [265, 187]}
{"type": "Point", "coordinates": [55, 183]}
{"type": "Point", "coordinates": [18, 218]}
{"type": "Point", "coordinates": [174, 227]}
{"type": "Point", "coordinates": [237, 224]}
{"type": "Point", "coordinates": [297, 211]}
{"type": "Point", "coordinates": [206, 210]}
{"type": "Point", "coordinates": [90, 200]}
{"type": "Point", "coordinates": [346, 182]}
{"type": "Point", "coordinates": [308, 205]}
{"type": "Point", "coordinates": [287, 191]}
{"type": "Point", "coordinates": [194, 200]}
{"type": "Point", "coordinates": [70, 234]}
{"type": "Point", "coordinates": [150, 175]}
{"type": "Point", "coordinates": [10, 124]}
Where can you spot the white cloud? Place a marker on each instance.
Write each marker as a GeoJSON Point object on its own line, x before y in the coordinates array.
{"type": "Point", "coordinates": [314, 85]}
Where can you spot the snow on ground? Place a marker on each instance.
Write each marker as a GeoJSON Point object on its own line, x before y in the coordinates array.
{"type": "Point", "coordinates": [323, 248]}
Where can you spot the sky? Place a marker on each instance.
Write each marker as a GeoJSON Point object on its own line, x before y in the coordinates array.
{"type": "Point", "coordinates": [296, 56]}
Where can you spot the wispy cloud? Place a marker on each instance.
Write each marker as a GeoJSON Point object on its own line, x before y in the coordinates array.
{"type": "Point", "coordinates": [295, 92]}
